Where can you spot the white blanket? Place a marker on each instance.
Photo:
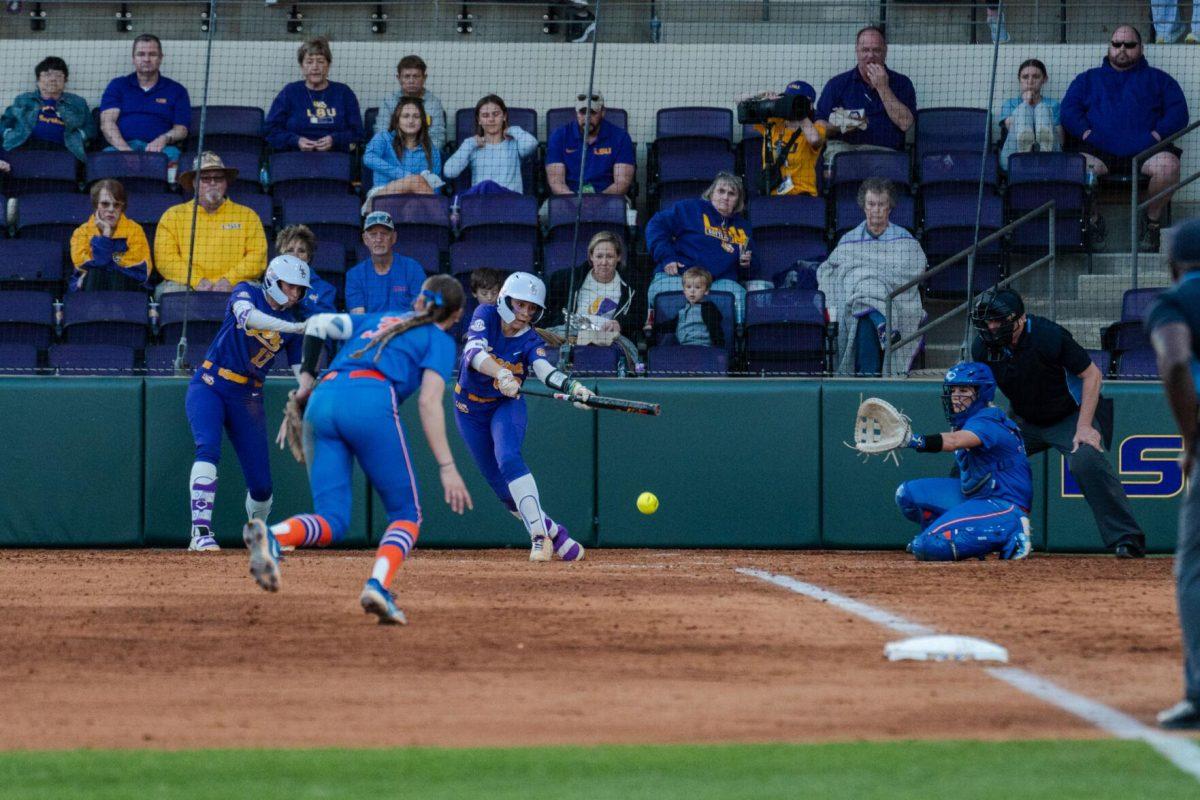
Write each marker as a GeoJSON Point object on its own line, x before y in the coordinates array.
{"type": "Point", "coordinates": [859, 275]}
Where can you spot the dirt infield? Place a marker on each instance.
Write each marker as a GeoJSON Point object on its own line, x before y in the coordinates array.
{"type": "Point", "coordinates": [166, 649]}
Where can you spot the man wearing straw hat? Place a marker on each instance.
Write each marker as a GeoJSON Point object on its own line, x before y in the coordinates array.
{"type": "Point", "coordinates": [230, 244]}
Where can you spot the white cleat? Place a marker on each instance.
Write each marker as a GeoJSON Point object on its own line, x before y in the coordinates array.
{"type": "Point", "coordinates": [264, 554]}
{"type": "Point", "coordinates": [203, 541]}
{"type": "Point", "coordinates": [541, 548]}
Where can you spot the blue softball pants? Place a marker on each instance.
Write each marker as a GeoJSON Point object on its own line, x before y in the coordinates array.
{"type": "Point", "coordinates": [359, 418]}
{"type": "Point", "coordinates": [238, 410]}
{"type": "Point", "coordinates": [954, 527]}
{"type": "Point", "coordinates": [494, 433]}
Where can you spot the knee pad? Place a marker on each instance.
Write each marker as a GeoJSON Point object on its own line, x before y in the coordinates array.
{"type": "Point", "coordinates": [933, 547]}
{"type": "Point", "coordinates": [907, 506]}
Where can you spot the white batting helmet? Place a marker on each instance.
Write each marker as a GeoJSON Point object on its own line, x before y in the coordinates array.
{"type": "Point", "coordinates": [521, 286]}
{"type": "Point", "coordinates": [285, 268]}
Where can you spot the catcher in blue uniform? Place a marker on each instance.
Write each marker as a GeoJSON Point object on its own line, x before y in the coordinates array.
{"type": "Point", "coordinates": [986, 509]}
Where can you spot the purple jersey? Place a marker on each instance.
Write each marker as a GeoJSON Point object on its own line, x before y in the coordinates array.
{"type": "Point", "coordinates": [517, 354]}
{"type": "Point", "coordinates": [247, 351]}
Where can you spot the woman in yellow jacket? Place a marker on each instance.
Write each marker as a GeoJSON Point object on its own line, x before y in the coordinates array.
{"type": "Point", "coordinates": [109, 251]}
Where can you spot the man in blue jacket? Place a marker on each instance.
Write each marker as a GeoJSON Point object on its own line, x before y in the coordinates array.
{"type": "Point", "coordinates": [1119, 109]}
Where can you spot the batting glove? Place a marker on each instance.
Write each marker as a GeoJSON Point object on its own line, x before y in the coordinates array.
{"type": "Point", "coordinates": [507, 383]}
{"type": "Point", "coordinates": [580, 394]}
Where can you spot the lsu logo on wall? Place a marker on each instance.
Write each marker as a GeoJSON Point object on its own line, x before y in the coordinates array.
{"type": "Point", "coordinates": [1147, 465]}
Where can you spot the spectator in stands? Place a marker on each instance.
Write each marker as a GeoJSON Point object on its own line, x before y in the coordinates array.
{"type": "Point", "coordinates": [301, 242]}
{"type": "Point", "coordinates": [494, 153]}
{"type": "Point", "coordinates": [386, 281]}
{"type": "Point", "coordinates": [402, 159]}
{"type": "Point", "coordinates": [1168, 27]}
{"type": "Point", "coordinates": [49, 118]}
{"type": "Point", "coordinates": [602, 298]}
{"type": "Point", "coordinates": [485, 285]}
{"type": "Point", "coordinates": [870, 107]}
{"type": "Point", "coordinates": [109, 251]}
{"type": "Point", "coordinates": [1121, 108]}
{"type": "Point", "coordinates": [708, 232]}
{"type": "Point", "coordinates": [315, 114]}
{"type": "Point", "coordinates": [795, 145]}
{"type": "Point", "coordinates": [411, 73]}
{"type": "Point", "coordinates": [230, 243]}
{"type": "Point", "coordinates": [1031, 120]}
{"type": "Point", "coordinates": [610, 157]}
{"type": "Point", "coordinates": [871, 261]}
{"type": "Point", "coordinates": [699, 321]}
{"type": "Point", "coordinates": [146, 110]}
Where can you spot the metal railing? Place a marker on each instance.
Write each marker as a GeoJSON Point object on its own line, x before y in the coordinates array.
{"type": "Point", "coordinates": [969, 254]}
{"type": "Point", "coordinates": [1135, 208]}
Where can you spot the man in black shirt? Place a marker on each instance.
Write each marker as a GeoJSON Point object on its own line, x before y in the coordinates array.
{"type": "Point", "coordinates": [1054, 390]}
{"type": "Point", "coordinates": [1174, 327]}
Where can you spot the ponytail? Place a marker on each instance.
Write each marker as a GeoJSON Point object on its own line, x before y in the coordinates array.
{"type": "Point", "coordinates": [443, 296]}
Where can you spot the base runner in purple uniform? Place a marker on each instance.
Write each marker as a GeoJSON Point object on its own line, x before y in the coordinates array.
{"type": "Point", "coordinates": [501, 352]}
{"type": "Point", "coordinates": [226, 390]}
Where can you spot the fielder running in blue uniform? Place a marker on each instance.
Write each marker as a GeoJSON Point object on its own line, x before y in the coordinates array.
{"type": "Point", "coordinates": [226, 390]}
{"type": "Point", "coordinates": [986, 509]}
{"type": "Point", "coordinates": [501, 352]}
{"type": "Point", "coordinates": [354, 412]}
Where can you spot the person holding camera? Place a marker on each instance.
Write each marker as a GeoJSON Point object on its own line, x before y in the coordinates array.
{"type": "Point", "coordinates": [792, 140]}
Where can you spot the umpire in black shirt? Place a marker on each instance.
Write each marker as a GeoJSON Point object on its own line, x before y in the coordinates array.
{"type": "Point", "coordinates": [1054, 390]}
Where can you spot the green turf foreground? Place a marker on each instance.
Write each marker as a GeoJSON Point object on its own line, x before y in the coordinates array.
{"type": "Point", "coordinates": [1092, 770]}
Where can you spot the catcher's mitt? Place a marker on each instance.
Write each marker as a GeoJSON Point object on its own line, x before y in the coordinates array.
{"type": "Point", "coordinates": [879, 427]}
{"type": "Point", "coordinates": [293, 425]}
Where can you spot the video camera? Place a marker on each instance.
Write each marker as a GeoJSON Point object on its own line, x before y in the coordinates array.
{"type": "Point", "coordinates": [790, 107]}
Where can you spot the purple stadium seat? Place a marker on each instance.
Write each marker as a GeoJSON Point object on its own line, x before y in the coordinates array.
{"type": "Point", "coordinates": [673, 361]}
{"type": "Point", "coordinates": [957, 174]}
{"type": "Point", "coordinates": [786, 229]}
{"type": "Point", "coordinates": [26, 318]}
{"type": "Point", "coordinates": [160, 358]}
{"type": "Point", "coordinates": [942, 130]}
{"type": "Point", "coordinates": [599, 212]}
{"type": "Point", "coordinates": [847, 214]}
{"type": "Point", "coordinates": [949, 229]}
{"type": "Point", "coordinates": [851, 169]}
{"type": "Point", "coordinates": [41, 171]}
{"type": "Point", "coordinates": [31, 264]}
{"type": "Point", "coordinates": [694, 122]}
{"type": "Point", "coordinates": [147, 209]}
{"type": "Point", "coordinates": [593, 361]}
{"type": "Point", "coordinates": [120, 318]}
{"type": "Point", "coordinates": [309, 175]}
{"type": "Point", "coordinates": [680, 160]}
{"type": "Point", "coordinates": [1129, 333]}
{"type": "Point", "coordinates": [52, 216]}
{"type": "Point", "coordinates": [91, 359]}
{"type": "Point", "coordinates": [334, 219]}
{"type": "Point", "coordinates": [671, 193]}
{"type": "Point", "coordinates": [464, 122]}
{"type": "Point", "coordinates": [1103, 361]}
{"type": "Point", "coordinates": [562, 255]}
{"type": "Point", "coordinates": [246, 163]}
{"type": "Point", "coordinates": [1139, 364]}
{"type": "Point", "coordinates": [229, 129]}
{"type": "Point", "coordinates": [419, 217]}
{"type": "Point", "coordinates": [137, 172]}
{"type": "Point", "coordinates": [261, 205]}
{"type": "Point", "coordinates": [424, 253]}
{"type": "Point", "coordinates": [18, 359]}
{"type": "Point", "coordinates": [667, 306]}
{"type": "Point", "coordinates": [786, 331]}
{"type": "Point", "coordinates": [205, 311]}
{"type": "Point", "coordinates": [1033, 179]}
{"type": "Point", "coordinates": [498, 219]}
{"type": "Point", "coordinates": [465, 257]}
{"type": "Point", "coordinates": [557, 117]}
{"type": "Point", "coordinates": [329, 258]}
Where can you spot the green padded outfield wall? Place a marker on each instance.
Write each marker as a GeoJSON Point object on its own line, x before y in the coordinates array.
{"type": "Point", "coordinates": [169, 454]}
{"type": "Point", "coordinates": [72, 466]}
{"type": "Point", "coordinates": [734, 463]}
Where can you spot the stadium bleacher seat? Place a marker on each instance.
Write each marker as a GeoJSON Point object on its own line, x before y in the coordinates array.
{"type": "Point", "coordinates": [18, 359]}
{"type": "Point", "coordinates": [229, 130]}
{"type": "Point", "coordinates": [335, 219]}
{"type": "Point", "coordinates": [52, 216]}
{"type": "Point", "coordinates": [424, 253]}
{"type": "Point", "coordinates": [160, 358]}
{"type": "Point", "coordinates": [786, 331]}
{"type": "Point", "coordinates": [466, 257]}
{"type": "Point", "coordinates": [498, 219]}
{"type": "Point", "coordinates": [557, 117]}
{"type": "Point", "coordinates": [956, 174]}
{"type": "Point", "coordinates": [1129, 332]}
{"type": "Point", "coordinates": [950, 228]}
{"type": "Point", "coordinates": [147, 209]}
{"type": "Point", "coordinates": [786, 229]}
{"type": "Point", "coordinates": [704, 126]}
{"type": "Point", "coordinates": [591, 361]}
{"type": "Point", "coordinates": [667, 306]}
{"type": "Point", "coordinates": [1139, 364]}
{"type": "Point", "coordinates": [599, 212]}
{"type": "Point", "coordinates": [419, 217]}
{"type": "Point", "coordinates": [138, 172]}
{"type": "Point", "coordinates": [944, 130]}
{"type": "Point", "coordinates": [27, 318]}
{"type": "Point", "coordinates": [673, 361]}
{"type": "Point", "coordinates": [524, 118]}
{"type": "Point", "coordinates": [41, 171]}
{"type": "Point", "coordinates": [91, 359]}
{"type": "Point", "coordinates": [1103, 361]}
{"type": "Point", "coordinates": [31, 264]}
{"type": "Point", "coordinates": [120, 318]}
{"type": "Point", "coordinates": [261, 205]}
{"type": "Point", "coordinates": [562, 255]}
{"type": "Point", "coordinates": [296, 175]}
{"type": "Point", "coordinates": [1033, 179]}
{"type": "Point", "coordinates": [204, 311]}
{"type": "Point", "coordinates": [691, 144]}
{"type": "Point", "coordinates": [848, 173]}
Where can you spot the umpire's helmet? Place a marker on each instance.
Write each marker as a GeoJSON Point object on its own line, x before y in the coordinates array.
{"type": "Point", "coordinates": [997, 304]}
{"type": "Point", "coordinates": [968, 373]}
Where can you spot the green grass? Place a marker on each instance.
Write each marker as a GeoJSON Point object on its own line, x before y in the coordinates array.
{"type": "Point", "coordinates": [1092, 770]}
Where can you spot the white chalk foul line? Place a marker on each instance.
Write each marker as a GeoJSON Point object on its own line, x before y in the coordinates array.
{"type": "Point", "coordinates": [1180, 751]}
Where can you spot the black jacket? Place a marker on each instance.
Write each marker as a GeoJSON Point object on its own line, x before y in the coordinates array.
{"type": "Point", "coordinates": [559, 286]}
{"type": "Point", "coordinates": [712, 320]}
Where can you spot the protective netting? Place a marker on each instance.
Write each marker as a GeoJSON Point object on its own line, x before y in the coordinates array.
{"type": "Point", "coordinates": [94, 277]}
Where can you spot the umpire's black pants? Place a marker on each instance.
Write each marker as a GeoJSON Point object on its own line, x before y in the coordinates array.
{"type": "Point", "coordinates": [1187, 585]}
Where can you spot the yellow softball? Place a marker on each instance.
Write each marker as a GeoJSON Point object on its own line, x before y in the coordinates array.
{"type": "Point", "coordinates": [647, 503]}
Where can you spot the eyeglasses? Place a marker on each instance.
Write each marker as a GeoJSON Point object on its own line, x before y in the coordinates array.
{"type": "Point", "coordinates": [218, 178]}
{"type": "Point", "coordinates": [109, 204]}
{"type": "Point", "coordinates": [1126, 45]}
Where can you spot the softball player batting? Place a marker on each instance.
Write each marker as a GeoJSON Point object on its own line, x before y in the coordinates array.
{"type": "Point", "coordinates": [355, 412]}
{"type": "Point", "coordinates": [986, 509]}
{"type": "Point", "coordinates": [226, 390]}
{"type": "Point", "coordinates": [502, 350]}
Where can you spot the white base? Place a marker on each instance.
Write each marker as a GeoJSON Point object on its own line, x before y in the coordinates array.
{"type": "Point", "coordinates": [944, 648]}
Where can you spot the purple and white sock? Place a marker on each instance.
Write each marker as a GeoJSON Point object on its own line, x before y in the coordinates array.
{"type": "Point", "coordinates": [564, 546]}
{"type": "Point", "coordinates": [204, 493]}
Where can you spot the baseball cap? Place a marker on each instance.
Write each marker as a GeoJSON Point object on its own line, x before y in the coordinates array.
{"type": "Point", "coordinates": [1184, 244]}
{"type": "Point", "coordinates": [581, 101]}
{"type": "Point", "coordinates": [379, 218]}
{"type": "Point", "coordinates": [800, 88]}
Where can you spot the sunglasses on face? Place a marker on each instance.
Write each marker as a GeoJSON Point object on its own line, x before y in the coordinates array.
{"type": "Point", "coordinates": [1126, 45]}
